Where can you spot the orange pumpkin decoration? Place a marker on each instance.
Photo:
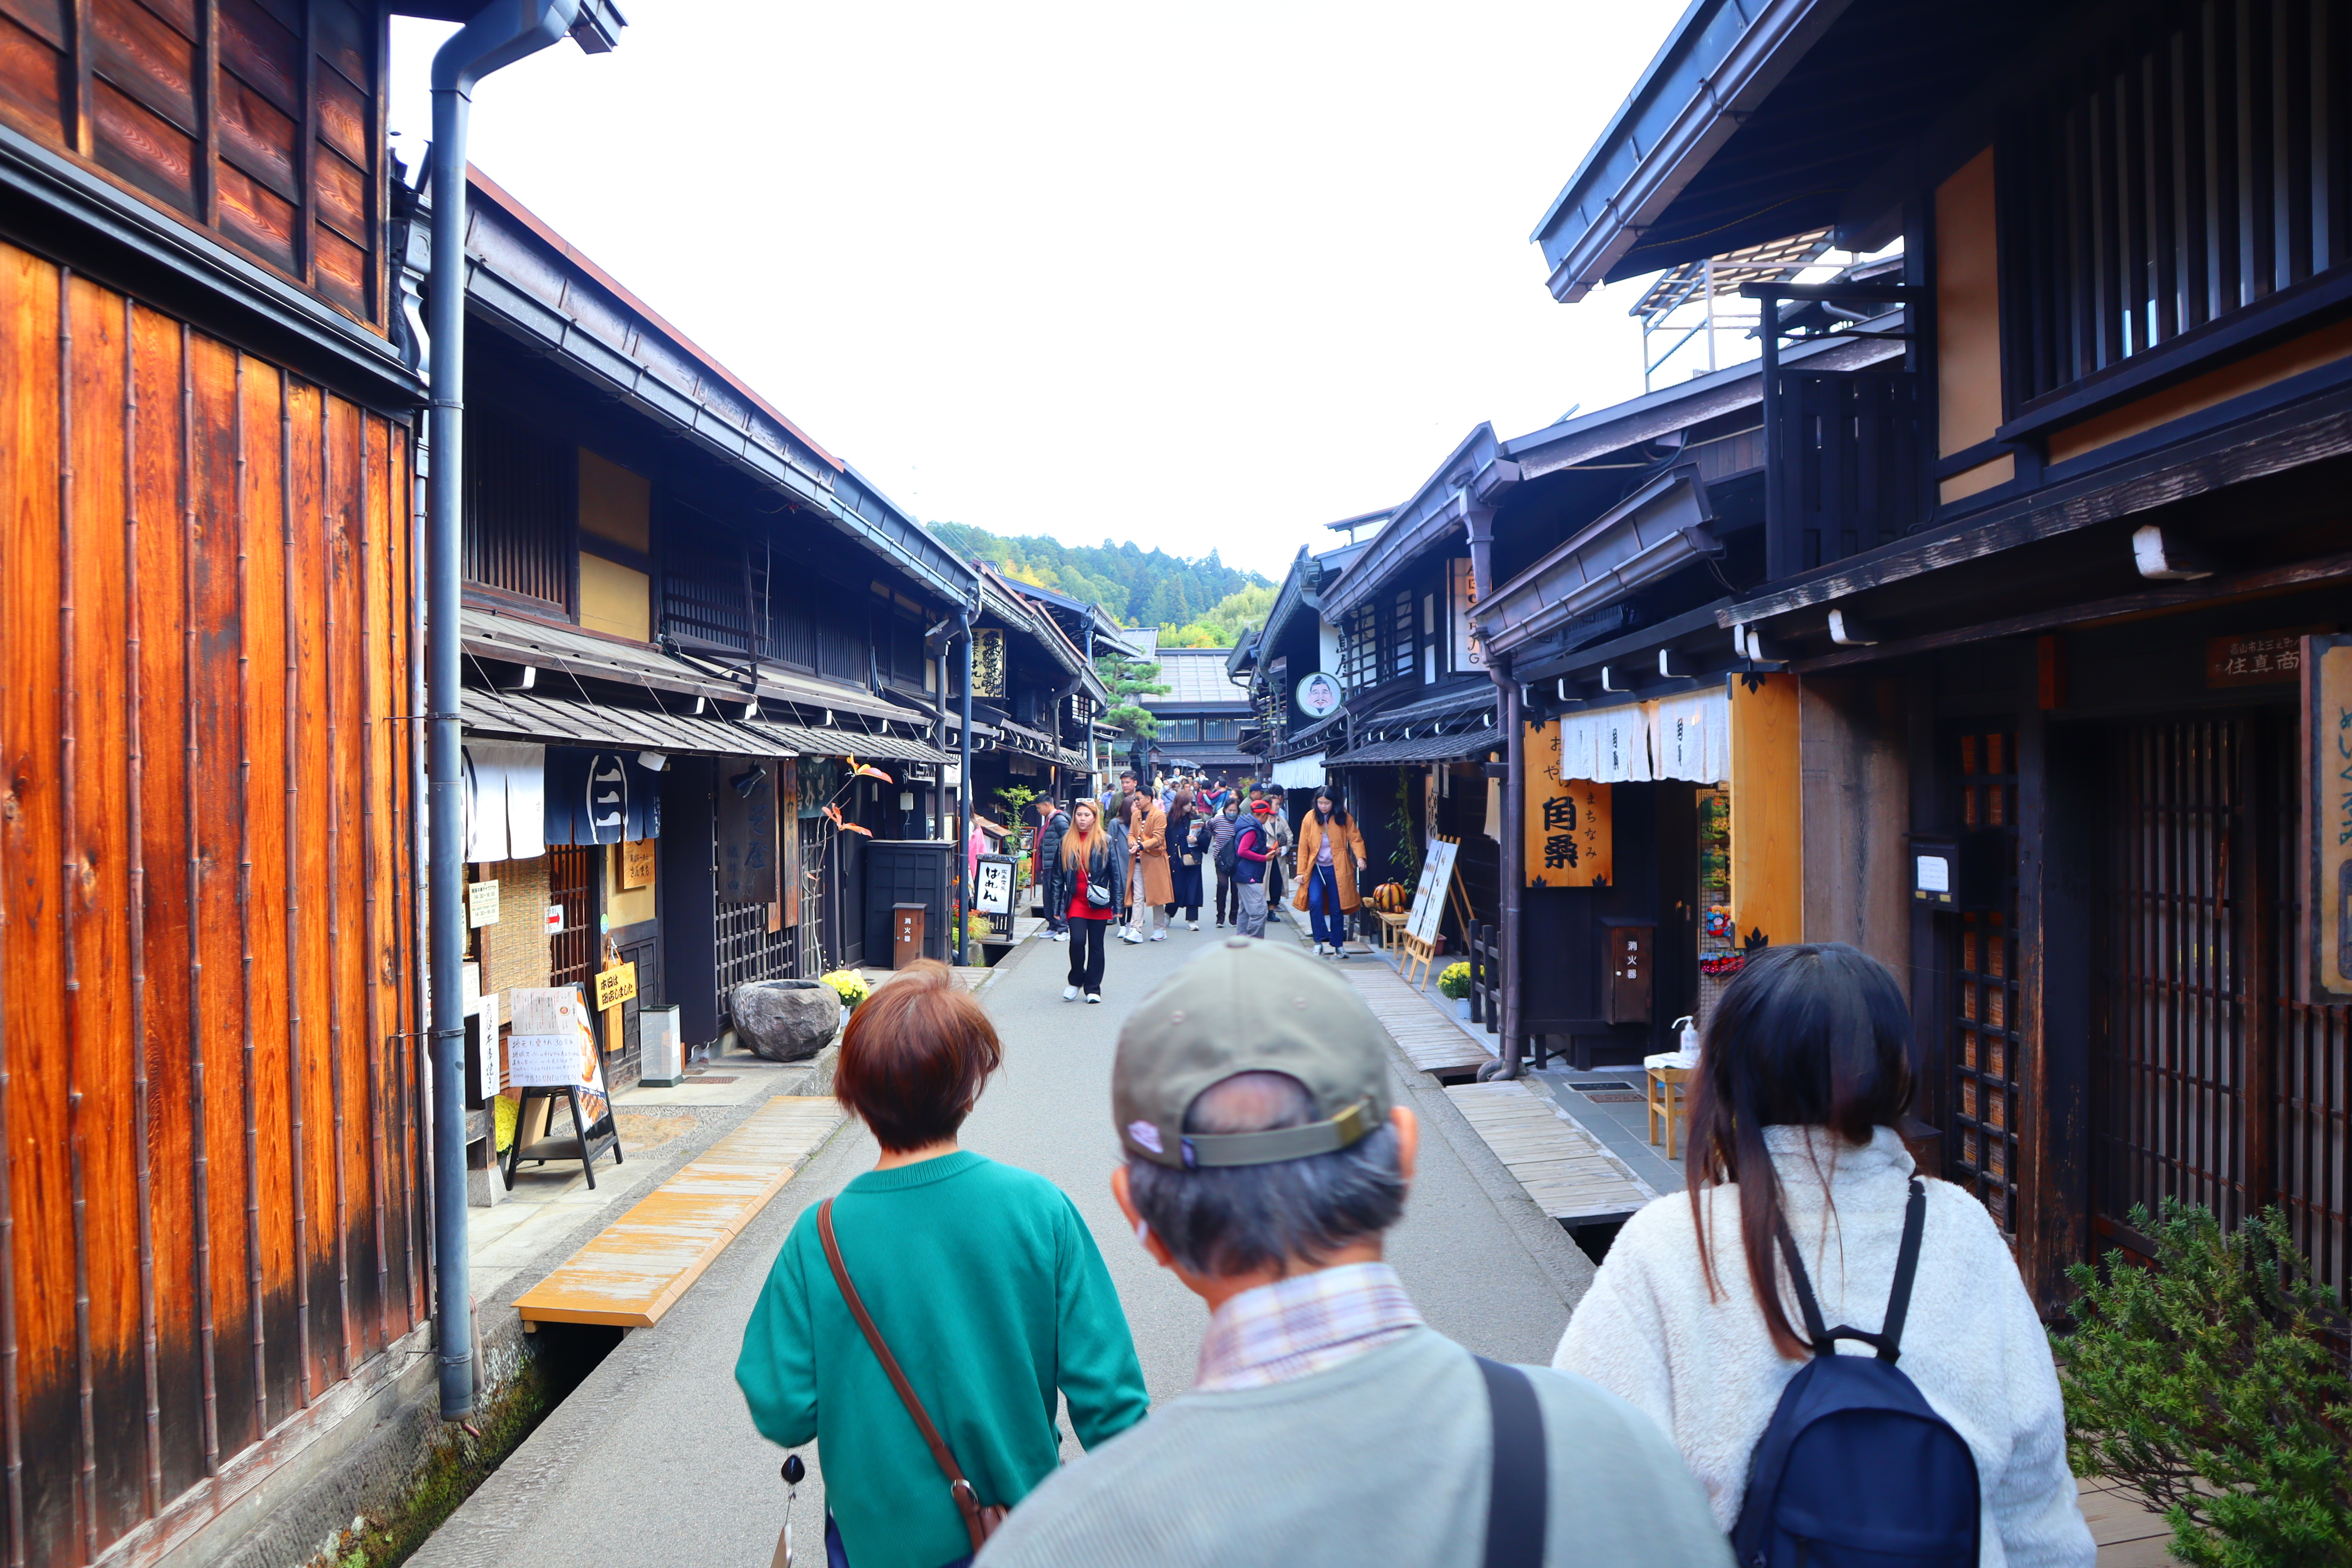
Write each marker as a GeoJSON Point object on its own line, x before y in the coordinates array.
{"type": "Point", "coordinates": [1388, 896]}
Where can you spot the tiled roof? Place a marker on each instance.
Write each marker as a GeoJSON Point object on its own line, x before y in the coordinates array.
{"type": "Point", "coordinates": [1194, 675]}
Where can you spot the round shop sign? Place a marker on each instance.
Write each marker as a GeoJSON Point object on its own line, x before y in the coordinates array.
{"type": "Point", "coordinates": [1318, 695]}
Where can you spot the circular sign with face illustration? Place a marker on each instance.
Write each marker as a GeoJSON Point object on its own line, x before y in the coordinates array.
{"type": "Point", "coordinates": [1318, 696]}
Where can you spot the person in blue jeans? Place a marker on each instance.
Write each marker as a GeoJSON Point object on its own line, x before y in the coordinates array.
{"type": "Point", "coordinates": [1330, 865]}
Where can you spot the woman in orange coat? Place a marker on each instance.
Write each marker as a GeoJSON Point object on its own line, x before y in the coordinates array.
{"type": "Point", "coordinates": [1147, 829]}
{"type": "Point", "coordinates": [1330, 858]}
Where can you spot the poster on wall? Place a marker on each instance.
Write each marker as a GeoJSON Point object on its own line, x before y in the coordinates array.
{"type": "Point", "coordinates": [2327, 748]}
{"type": "Point", "coordinates": [1569, 841]}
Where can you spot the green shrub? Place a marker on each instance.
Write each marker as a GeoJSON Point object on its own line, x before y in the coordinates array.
{"type": "Point", "coordinates": [2204, 1383]}
{"type": "Point", "coordinates": [1454, 981]}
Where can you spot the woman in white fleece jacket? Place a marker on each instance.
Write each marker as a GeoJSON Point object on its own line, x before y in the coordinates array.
{"type": "Point", "coordinates": [1704, 1346]}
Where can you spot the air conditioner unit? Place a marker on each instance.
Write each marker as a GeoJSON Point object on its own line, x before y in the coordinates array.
{"type": "Point", "coordinates": [664, 1054]}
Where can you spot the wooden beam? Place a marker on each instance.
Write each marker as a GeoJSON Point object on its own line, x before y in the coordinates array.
{"type": "Point", "coordinates": [2128, 606]}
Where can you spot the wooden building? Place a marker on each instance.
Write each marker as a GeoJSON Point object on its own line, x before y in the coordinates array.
{"type": "Point", "coordinates": [683, 612]}
{"type": "Point", "coordinates": [1202, 714]}
{"type": "Point", "coordinates": [1291, 663]}
{"type": "Point", "coordinates": [214, 1214]}
{"type": "Point", "coordinates": [2040, 593]}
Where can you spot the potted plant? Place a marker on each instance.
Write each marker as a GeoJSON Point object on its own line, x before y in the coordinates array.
{"type": "Point", "coordinates": [848, 985]}
{"type": "Point", "coordinates": [1454, 982]}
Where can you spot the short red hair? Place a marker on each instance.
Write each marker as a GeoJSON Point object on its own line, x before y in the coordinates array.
{"type": "Point", "coordinates": [915, 1058]}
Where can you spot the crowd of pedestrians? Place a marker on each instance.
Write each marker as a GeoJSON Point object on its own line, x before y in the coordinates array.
{"type": "Point", "coordinates": [1701, 1408]}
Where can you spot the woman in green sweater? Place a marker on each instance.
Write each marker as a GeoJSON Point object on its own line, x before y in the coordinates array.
{"type": "Point", "coordinates": [982, 1281]}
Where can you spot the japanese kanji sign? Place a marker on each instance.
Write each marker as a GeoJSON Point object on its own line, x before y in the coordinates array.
{"type": "Point", "coordinates": [2327, 689]}
{"type": "Point", "coordinates": [1569, 840]}
{"type": "Point", "coordinates": [2252, 658]}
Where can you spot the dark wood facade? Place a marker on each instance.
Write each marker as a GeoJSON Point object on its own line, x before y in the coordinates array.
{"type": "Point", "coordinates": [260, 121]}
{"type": "Point", "coordinates": [213, 1222]}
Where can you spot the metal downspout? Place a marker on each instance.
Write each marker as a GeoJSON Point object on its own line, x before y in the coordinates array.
{"type": "Point", "coordinates": [964, 793]}
{"type": "Point", "coordinates": [499, 34]}
{"type": "Point", "coordinates": [1479, 525]}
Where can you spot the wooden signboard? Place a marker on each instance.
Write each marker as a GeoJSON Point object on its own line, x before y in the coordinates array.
{"type": "Point", "coordinates": [616, 985]}
{"type": "Point", "coordinates": [746, 832]}
{"type": "Point", "coordinates": [2327, 781]}
{"type": "Point", "coordinates": [1421, 926]}
{"type": "Point", "coordinates": [1570, 840]}
{"type": "Point", "coordinates": [637, 862]}
{"type": "Point", "coordinates": [2256, 659]}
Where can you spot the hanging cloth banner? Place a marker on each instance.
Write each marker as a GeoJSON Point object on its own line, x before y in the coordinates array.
{"type": "Point", "coordinates": [505, 814]}
{"type": "Point", "coordinates": [1609, 747]}
{"type": "Point", "coordinates": [1691, 737]}
{"type": "Point", "coordinates": [599, 797]}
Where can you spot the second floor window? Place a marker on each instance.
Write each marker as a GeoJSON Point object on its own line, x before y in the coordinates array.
{"type": "Point", "coordinates": [2171, 184]}
{"type": "Point", "coordinates": [522, 534]}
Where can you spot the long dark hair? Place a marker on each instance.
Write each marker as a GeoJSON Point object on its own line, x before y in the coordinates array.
{"type": "Point", "coordinates": [1815, 1034]}
{"type": "Point", "coordinates": [1338, 807]}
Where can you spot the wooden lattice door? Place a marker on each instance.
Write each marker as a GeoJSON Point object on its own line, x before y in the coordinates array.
{"type": "Point", "coordinates": [1987, 1036]}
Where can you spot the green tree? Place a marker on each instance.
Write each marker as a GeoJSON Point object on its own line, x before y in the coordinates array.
{"type": "Point", "coordinates": [1138, 587]}
{"type": "Point", "coordinates": [2206, 1385]}
{"type": "Point", "coordinates": [1129, 679]}
{"type": "Point", "coordinates": [1224, 622]}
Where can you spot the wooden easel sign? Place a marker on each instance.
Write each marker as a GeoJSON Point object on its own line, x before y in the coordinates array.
{"type": "Point", "coordinates": [550, 1055]}
{"type": "Point", "coordinates": [1422, 926]}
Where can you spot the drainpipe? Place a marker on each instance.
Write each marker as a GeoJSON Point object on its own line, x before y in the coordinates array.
{"type": "Point", "coordinates": [963, 791]}
{"type": "Point", "coordinates": [1480, 527]}
{"type": "Point", "coordinates": [499, 34]}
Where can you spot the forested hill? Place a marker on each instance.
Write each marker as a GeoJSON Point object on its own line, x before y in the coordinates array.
{"type": "Point", "coordinates": [1141, 588]}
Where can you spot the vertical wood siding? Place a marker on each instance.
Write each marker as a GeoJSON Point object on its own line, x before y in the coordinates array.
{"type": "Point", "coordinates": [209, 1213]}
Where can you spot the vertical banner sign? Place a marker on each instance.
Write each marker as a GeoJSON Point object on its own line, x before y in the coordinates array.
{"type": "Point", "coordinates": [747, 832]}
{"type": "Point", "coordinates": [1569, 841]}
{"type": "Point", "coordinates": [2327, 685]}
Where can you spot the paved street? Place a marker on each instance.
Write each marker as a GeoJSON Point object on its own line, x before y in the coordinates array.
{"type": "Point", "coordinates": [654, 1461]}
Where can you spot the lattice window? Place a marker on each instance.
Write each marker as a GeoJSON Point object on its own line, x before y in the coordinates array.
{"type": "Point", "coordinates": [705, 592]}
{"type": "Point", "coordinates": [1403, 651]}
{"type": "Point", "coordinates": [572, 877]}
{"type": "Point", "coordinates": [2147, 195]}
{"type": "Point", "coordinates": [520, 518]}
{"type": "Point", "coordinates": [1360, 648]}
{"type": "Point", "coordinates": [1987, 1038]}
{"type": "Point", "coordinates": [748, 951]}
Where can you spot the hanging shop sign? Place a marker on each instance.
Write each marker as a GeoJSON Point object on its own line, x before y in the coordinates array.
{"type": "Point", "coordinates": [481, 904]}
{"type": "Point", "coordinates": [2327, 663]}
{"type": "Point", "coordinates": [1318, 695]}
{"type": "Point", "coordinates": [747, 833]}
{"type": "Point", "coordinates": [636, 863]}
{"type": "Point", "coordinates": [616, 985]}
{"type": "Point", "coordinates": [2257, 658]}
{"type": "Point", "coordinates": [1569, 838]}
{"type": "Point", "coordinates": [1462, 584]}
{"type": "Point", "coordinates": [993, 890]}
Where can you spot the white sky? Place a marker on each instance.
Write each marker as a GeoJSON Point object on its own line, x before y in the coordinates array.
{"type": "Point", "coordinates": [1197, 276]}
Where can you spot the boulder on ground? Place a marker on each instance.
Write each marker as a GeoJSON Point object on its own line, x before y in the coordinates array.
{"type": "Point", "coordinates": [786, 1020]}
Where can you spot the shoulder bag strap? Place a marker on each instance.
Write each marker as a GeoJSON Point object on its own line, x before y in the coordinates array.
{"type": "Point", "coordinates": [1518, 1498]}
{"type": "Point", "coordinates": [1816, 1331]}
{"type": "Point", "coordinates": [967, 1500]}
{"type": "Point", "coordinates": [1906, 1267]}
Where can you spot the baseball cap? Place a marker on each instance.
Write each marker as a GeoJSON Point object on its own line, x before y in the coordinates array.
{"type": "Point", "coordinates": [1246, 1005]}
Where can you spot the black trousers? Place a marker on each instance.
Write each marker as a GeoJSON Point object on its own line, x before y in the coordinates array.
{"type": "Point", "coordinates": [1057, 900]}
{"type": "Point", "coordinates": [1086, 954]}
{"type": "Point", "coordinates": [1229, 897]}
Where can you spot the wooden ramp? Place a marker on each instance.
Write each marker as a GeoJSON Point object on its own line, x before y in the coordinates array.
{"type": "Point", "coordinates": [1430, 1040]}
{"type": "Point", "coordinates": [642, 1263]}
{"type": "Point", "coordinates": [1564, 1168]}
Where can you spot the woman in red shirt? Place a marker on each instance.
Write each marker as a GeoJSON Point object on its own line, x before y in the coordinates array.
{"type": "Point", "coordinates": [1093, 861]}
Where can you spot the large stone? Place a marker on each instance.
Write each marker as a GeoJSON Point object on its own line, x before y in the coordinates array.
{"type": "Point", "coordinates": [786, 1020]}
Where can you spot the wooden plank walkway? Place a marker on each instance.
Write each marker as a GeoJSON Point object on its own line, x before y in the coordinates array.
{"type": "Point", "coordinates": [642, 1263]}
{"type": "Point", "coordinates": [1430, 1040]}
{"type": "Point", "coordinates": [1564, 1168]}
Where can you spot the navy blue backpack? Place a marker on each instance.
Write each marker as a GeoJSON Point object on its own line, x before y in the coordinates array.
{"type": "Point", "coordinates": [1855, 1471]}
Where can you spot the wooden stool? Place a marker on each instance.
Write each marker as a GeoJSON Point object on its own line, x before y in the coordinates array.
{"type": "Point", "coordinates": [1391, 927]}
{"type": "Point", "coordinates": [1666, 1098]}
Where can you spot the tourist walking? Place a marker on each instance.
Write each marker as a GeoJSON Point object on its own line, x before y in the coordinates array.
{"type": "Point", "coordinates": [1150, 889]}
{"type": "Point", "coordinates": [979, 1281]}
{"type": "Point", "coordinates": [1794, 1158]}
{"type": "Point", "coordinates": [1253, 856]}
{"type": "Point", "coordinates": [1094, 870]}
{"type": "Point", "coordinates": [1278, 823]}
{"type": "Point", "coordinates": [1053, 822]}
{"type": "Point", "coordinates": [1328, 1425]}
{"type": "Point", "coordinates": [1331, 859]}
{"type": "Point", "coordinates": [1224, 828]}
{"type": "Point", "coordinates": [1187, 836]}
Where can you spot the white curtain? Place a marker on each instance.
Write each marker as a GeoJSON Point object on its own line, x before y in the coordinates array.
{"type": "Point", "coordinates": [505, 801]}
{"type": "Point", "coordinates": [1609, 747]}
{"type": "Point", "coordinates": [1691, 737]}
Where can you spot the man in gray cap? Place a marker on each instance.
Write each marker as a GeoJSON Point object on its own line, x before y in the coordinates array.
{"type": "Point", "coordinates": [1327, 1425]}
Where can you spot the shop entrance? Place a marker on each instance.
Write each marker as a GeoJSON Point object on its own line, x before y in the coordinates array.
{"type": "Point", "coordinates": [2210, 1083]}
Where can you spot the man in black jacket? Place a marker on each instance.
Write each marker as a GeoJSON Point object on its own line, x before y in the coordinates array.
{"type": "Point", "coordinates": [1052, 823]}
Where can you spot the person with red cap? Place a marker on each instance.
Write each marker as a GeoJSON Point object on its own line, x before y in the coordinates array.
{"type": "Point", "coordinates": [1253, 849]}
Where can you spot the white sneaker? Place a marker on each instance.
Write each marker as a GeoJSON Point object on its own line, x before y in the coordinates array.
{"type": "Point", "coordinates": [1095, 997]}
{"type": "Point", "coordinates": [1191, 925]}
{"type": "Point", "coordinates": [1069, 992]}
{"type": "Point", "coordinates": [1322, 950]}
{"type": "Point", "coordinates": [1161, 935]}
{"type": "Point", "coordinates": [1130, 935]}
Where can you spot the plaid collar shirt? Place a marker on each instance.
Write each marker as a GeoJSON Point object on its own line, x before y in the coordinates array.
{"type": "Point", "coordinates": [1308, 1323]}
